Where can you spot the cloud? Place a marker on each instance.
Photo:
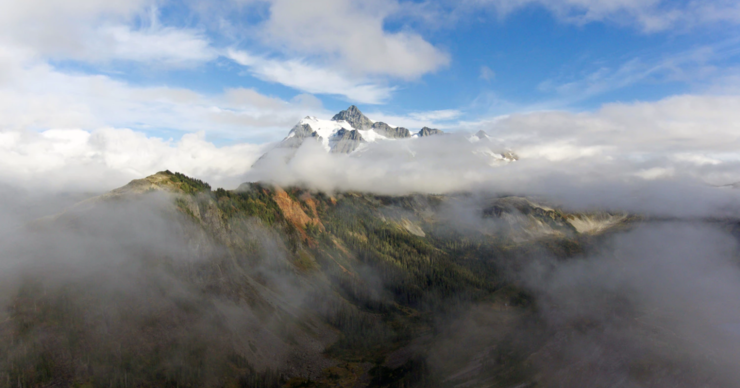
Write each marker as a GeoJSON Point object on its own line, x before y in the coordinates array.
{"type": "Point", "coordinates": [696, 66]}
{"type": "Point", "coordinates": [313, 79]}
{"type": "Point", "coordinates": [163, 46]}
{"type": "Point", "coordinates": [100, 160]}
{"type": "Point", "coordinates": [670, 154]}
{"type": "Point", "coordinates": [338, 48]}
{"type": "Point", "coordinates": [648, 15]}
{"type": "Point", "coordinates": [487, 74]}
{"type": "Point", "coordinates": [679, 124]}
{"type": "Point", "coordinates": [442, 119]}
{"type": "Point", "coordinates": [352, 32]}
{"type": "Point", "coordinates": [436, 115]}
{"type": "Point", "coordinates": [100, 32]}
{"type": "Point", "coordinates": [34, 95]}
{"type": "Point", "coordinates": [649, 293]}
{"type": "Point", "coordinates": [675, 141]}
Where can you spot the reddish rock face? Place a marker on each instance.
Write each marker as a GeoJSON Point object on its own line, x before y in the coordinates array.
{"type": "Point", "coordinates": [294, 213]}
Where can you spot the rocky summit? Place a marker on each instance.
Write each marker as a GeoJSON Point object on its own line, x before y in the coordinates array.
{"type": "Point", "coordinates": [426, 131]}
{"type": "Point", "coordinates": [354, 117]}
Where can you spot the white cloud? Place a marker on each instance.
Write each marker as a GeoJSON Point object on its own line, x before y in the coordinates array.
{"type": "Point", "coordinates": [436, 115]}
{"type": "Point", "coordinates": [648, 15]}
{"type": "Point", "coordinates": [698, 67]}
{"type": "Point", "coordinates": [302, 76]}
{"type": "Point", "coordinates": [100, 31]}
{"type": "Point", "coordinates": [586, 159]}
{"type": "Point", "coordinates": [33, 95]}
{"type": "Point", "coordinates": [163, 46]}
{"type": "Point", "coordinates": [676, 124]}
{"type": "Point", "coordinates": [78, 160]}
{"type": "Point", "coordinates": [338, 47]}
{"type": "Point", "coordinates": [697, 133]}
{"type": "Point", "coordinates": [684, 140]}
{"type": "Point", "coordinates": [440, 119]}
{"type": "Point", "coordinates": [352, 33]}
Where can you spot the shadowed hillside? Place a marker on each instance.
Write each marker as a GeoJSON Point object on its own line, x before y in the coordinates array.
{"type": "Point", "coordinates": [166, 282]}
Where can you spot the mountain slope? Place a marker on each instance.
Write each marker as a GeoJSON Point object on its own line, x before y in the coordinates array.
{"type": "Point", "coordinates": [269, 286]}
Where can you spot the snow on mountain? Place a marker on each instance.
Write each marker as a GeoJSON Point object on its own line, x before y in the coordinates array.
{"type": "Point", "coordinates": [350, 131]}
{"type": "Point", "coordinates": [323, 130]}
{"type": "Point", "coordinates": [344, 133]}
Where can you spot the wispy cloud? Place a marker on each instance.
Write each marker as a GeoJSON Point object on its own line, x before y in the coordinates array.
{"type": "Point", "coordinates": [486, 73]}
{"type": "Point", "coordinates": [351, 33]}
{"type": "Point", "coordinates": [694, 66]}
{"type": "Point", "coordinates": [442, 119]}
{"type": "Point", "coordinates": [161, 46]}
{"type": "Point", "coordinates": [647, 15]}
{"type": "Point", "coordinates": [34, 95]}
{"type": "Point", "coordinates": [98, 31]}
{"type": "Point", "coordinates": [300, 75]}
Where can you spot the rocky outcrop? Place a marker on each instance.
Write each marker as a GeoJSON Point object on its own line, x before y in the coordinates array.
{"type": "Point", "coordinates": [346, 141]}
{"type": "Point", "coordinates": [390, 132]}
{"type": "Point", "coordinates": [297, 135]}
{"type": "Point", "coordinates": [426, 131]}
{"type": "Point", "coordinates": [354, 117]}
{"type": "Point", "coordinates": [293, 212]}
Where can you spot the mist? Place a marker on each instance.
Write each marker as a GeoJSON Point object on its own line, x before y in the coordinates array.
{"type": "Point", "coordinates": [650, 304]}
{"type": "Point", "coordinates": [451, 163]}
{"type": "Point", "coordinates": [663, 294]}
{"type": "Point", "coordinates": [135, 279]}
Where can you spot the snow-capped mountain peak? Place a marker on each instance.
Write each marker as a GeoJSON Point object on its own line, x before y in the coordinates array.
{"type": "Point", "coordinates": [350, 130]}
{"type": "Point", "coordinates": [344, 133]}
{"type": "Point", "coordinates": [354, 117]}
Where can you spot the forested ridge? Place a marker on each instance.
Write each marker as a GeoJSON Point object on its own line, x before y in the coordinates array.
{"type": "Point", "coordinates": [383, 274]}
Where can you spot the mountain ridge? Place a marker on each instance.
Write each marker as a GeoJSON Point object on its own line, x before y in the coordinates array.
{"type": "Point", "coordinates": [306, 289]}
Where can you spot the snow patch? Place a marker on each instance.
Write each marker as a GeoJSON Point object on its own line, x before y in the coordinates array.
{"type": "Point", "coordinates": [370, 135]}
{"type": "Point", "coordinates": [325, 128]}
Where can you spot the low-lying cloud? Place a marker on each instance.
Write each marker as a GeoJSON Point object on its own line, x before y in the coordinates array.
{"type": "Point", "coordinates": [74, 160]}
{"type": "Point", "coordinates": [661, 157]}
{"type": "Point", "coordinates": [667, 156]}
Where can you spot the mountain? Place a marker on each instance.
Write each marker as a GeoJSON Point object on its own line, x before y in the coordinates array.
{"type": "Point", "coordinates": [344, 133]}
{"type": "Point", "coordinates": [426, 131]}
{"type": "Point", "coordinates": [354, 117]}
{"type": "Point", "coordinates": [346, 141]}
{"type": "Point", "coordinates": [386, 130]}
{"type": "Point", "coordinates": [350, 131]}
{"type": "Point", "coordinates": [167, 282]}
{"type": "Point", "coordinates": [263, 286]}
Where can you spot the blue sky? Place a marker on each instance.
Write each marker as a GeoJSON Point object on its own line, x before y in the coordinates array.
{"type": "Point", "coordinates": [403, 60]}
{"type": "Point", "coordinates": [530, 55]}
{"type": "Point", "coordinates": [241, 73]}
